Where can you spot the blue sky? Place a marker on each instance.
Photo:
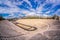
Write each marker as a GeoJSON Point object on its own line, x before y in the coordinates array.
{"type": "Point", "coordinates": [21, 8]}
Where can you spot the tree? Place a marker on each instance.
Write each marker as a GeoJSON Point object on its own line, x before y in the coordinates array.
{"type": "Point", "coordinates": [1, 18]}
{"type": "Point", "coordinates": [56, 17]}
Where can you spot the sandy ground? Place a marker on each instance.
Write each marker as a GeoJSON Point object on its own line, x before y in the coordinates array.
{"type": "Point", "coordinates": [47, 29]}
{"type": "Point", "coordinates": [42, 26]}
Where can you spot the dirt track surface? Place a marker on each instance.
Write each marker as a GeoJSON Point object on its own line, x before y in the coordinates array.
{"type": "Point", "coordinates": [47, 29]}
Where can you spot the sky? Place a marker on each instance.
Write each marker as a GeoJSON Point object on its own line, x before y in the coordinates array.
{"type": "Point", "coordinates": [22, 8]}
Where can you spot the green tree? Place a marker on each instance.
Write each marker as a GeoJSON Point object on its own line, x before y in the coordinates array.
{"type": "Point", "coordinates": [1, 18]}
{"type": "Point", "coordinates": [56, 17]}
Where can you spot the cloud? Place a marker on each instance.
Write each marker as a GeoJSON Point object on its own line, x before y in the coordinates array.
{"type": "Point", "coordinates": [57, 12]}
{"type": "Point", "coordinates": [36, 7]}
